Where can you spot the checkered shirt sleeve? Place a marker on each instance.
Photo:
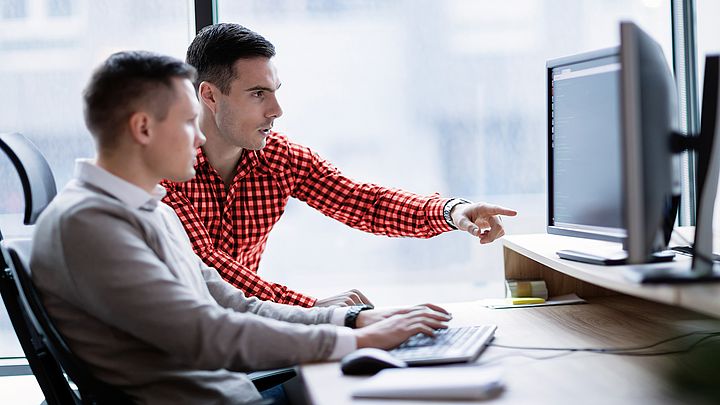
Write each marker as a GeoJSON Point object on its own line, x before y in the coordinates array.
{"type": "Point", "coordinates": [364, 206]}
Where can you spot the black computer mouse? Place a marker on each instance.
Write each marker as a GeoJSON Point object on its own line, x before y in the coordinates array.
{"type": "Point", "coordinates": [369, 361]}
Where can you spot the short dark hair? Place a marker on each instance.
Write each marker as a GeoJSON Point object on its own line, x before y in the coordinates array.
{"type": "Point", "coordinates": [217, 47]}
{"type": "Point", "coordinates": [125, 82]}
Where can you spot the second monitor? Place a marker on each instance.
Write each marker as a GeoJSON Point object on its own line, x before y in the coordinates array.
{"type": "Point", "coordinates": [597, 103]}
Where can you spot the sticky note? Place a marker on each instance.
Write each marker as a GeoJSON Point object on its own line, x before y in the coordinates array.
{"type": "Point", "coordinates": [525, 300]}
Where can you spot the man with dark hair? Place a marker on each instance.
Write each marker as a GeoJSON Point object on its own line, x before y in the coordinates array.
{"type": "Point", "coordinates": [118, 276]}
{"type": "Point", "coordinates": [246, 173]}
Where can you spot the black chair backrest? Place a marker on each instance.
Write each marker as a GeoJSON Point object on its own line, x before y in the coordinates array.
{"type": "Point", "coordinates": [92, 391]}
{"type": "Point", "coordinates": [45, 368]}
{"type": "Point", "coordinates": [39, 189]}
{"type": "Point", "coordinates": [35, 175]}
{"type": "Point", "coordinates": [47, 353]}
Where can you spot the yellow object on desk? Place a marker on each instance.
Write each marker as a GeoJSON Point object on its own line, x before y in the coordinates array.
{"type": "Point", "coordinates": [525, 300]}
{"type": "Point", "coordinates": [526, 288]}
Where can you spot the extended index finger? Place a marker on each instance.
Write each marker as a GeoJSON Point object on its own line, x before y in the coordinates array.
{"type": "Point", "coordinates": [498, 210]}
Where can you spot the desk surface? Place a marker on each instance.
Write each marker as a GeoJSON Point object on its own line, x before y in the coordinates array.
{"type": "Point", "coordinates": [615, 321]}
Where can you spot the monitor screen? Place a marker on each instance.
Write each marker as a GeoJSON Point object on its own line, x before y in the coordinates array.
{"type": "Point", "coordinates": [585, 146]}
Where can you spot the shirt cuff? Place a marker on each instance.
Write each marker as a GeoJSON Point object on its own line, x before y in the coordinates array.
{"type": "Point", "coordinates": [338, 316]}
{"type": "Point", "coordinates": [344, 344]}
{"type": "Point", "coordinates": [434, 212]}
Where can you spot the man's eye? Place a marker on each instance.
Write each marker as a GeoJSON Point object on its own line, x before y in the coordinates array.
{"type": "Point", "coordinates": [259, 93]}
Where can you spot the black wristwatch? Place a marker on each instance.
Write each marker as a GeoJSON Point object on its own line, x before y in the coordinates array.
{"type": "Point", "coordinates": [447, 209]}
{"type": "Point", "coordinates": [352, 314]}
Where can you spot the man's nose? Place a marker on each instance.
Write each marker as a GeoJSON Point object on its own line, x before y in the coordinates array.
{"type": "Point", "coordinates": [199, 138]}
{"type": "Point", "coordinates": [275, 110]}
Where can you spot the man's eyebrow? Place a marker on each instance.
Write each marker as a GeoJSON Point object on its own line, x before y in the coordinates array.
{"type": "Point", "coordinates": [263, 88]}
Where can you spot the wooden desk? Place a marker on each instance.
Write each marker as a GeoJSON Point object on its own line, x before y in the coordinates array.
{"type": "Point", "coordinates": [534, 257]}
{"type": "Point", "coordinates": [617, 321]}
{"type": "Point", "coordinates": [610, 319]}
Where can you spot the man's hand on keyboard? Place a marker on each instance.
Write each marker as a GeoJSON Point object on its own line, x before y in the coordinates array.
{"type": "Point", "coordinates": [387, 332]}
{"type": "Point", "coordinates": [369, 317]}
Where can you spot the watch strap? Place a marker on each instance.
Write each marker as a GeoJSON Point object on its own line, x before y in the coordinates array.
{"type": "Point", "coordinates": [352, 314]}
{"type": "Point", "coordinates": [448, 207]}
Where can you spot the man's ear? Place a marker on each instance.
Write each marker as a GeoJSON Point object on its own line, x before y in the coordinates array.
{"type": "Point", "coordinates": [208, 94]}
{"type": "Point", "coordinates": [140, 127]}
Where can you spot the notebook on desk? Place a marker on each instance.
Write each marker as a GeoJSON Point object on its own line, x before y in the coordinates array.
{"type": "Point", "coordinates": [452, 345]}
{"type": "Point", "coordinates": [438, 383]}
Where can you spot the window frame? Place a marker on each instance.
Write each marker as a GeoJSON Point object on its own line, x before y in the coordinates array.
{"type": "Point", "coordinates": [685, 68]}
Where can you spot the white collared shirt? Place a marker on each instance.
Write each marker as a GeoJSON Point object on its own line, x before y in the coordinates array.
{"type": "Point", "coordinates": [88, 171]}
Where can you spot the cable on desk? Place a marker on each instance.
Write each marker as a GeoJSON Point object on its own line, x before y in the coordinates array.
{"type": "Point", "coordinates": [497, 358]}
{"type": "Point", "coordinates": [692, 246]}
{"type": "Point", "coordinates": [626, 351]}
{"type": "Point", "coordinates": [679, 351]}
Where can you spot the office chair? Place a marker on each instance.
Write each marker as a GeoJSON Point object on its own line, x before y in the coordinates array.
{"type": "Point", "coordinates": [37, 180]}
{"type": "Point", "coordinates": [92, 391]}
{"type": "Point", "coordinates": [39, 189]}
{"type": "Point", "coordinates": [44, 367]}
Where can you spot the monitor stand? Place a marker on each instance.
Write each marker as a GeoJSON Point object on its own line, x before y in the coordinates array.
{"type": "Point", "coordinates": [612, 258]}
{"type": "Point", "coordinates": [668, 275]}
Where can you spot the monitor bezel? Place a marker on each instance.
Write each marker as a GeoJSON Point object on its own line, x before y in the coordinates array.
{"type": "Point", "coordinates": [576, 230]}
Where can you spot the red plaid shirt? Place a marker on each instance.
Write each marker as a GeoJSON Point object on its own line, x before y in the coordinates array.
{"type": "Point", "coordinates": [229, 227]}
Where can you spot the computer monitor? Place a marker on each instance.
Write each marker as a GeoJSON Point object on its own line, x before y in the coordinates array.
{"type": "Point", "coordinates": [644, 151]}
{"type": "Point", "coordinates": [706, 145]}
{"type": "Point", "coordinates": [649, 112]}
{"type": "Point", "coordinates": [651, 146]}
{"type": "Point", "coordinates": [584, 146]}
{"type": "Point", "coordinates": [607, 111]}
{"type": "Point", "coordinates": [707, 148]}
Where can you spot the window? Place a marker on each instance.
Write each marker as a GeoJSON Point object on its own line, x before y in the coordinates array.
{"type": "Point", "coordinates": [426, 96]}
{"type": "Point", "coordinates": [10, 9]}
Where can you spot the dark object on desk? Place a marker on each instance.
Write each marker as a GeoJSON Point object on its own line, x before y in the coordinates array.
{"type": "Point", "coordinates": [688, 251]}
{"type": "Point", "coordinates": [614, 260]}
{"type": "Point", "coordinates": [369, 361]}
{"type": "Point", "coordinates": [668, 275]}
